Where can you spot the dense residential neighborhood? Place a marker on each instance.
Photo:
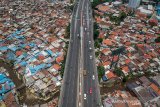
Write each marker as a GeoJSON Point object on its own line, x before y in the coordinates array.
{"type": "Point", "coordinates": [128, 49]}
{"type": "Point", "coordinates": [115, 44]}
{"type": "Point", "coordinates": [32, 40]}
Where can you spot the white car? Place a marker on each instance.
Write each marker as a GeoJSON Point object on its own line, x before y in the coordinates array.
{"type": "Point", "coordinates": [90, 56]}
{"type": "Point", "coordinates": [93, 77]}
{"type": "Point", "coordinates": [85, 29]}
{"type": "Point", "coordinates": [85, 96]}
{"type": "Point", "coordinates": [89, 42]}
{"type": "Point", "coordinates": [90, 48]}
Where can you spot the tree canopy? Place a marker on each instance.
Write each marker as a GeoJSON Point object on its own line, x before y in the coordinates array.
{"type": "Point", "coordinates": [68, 31]}
{"type": "Point", "coordinates": [157, 40]}
{"type": "Point", "coordinates": [97, 2]}
{"type": "Point", "coordinates": [96, 34]}
{"type": "Point", "coordinates": [101, 70]}
{"type": "Point", "coordinates": [118, 72]}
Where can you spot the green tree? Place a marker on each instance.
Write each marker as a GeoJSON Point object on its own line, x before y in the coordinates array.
{"type": "Point", "coordinates": [107, 35]}
{"type": "Point", "coordinates": [96, 44]}
{"type": "Point", "coordinates": [131, 13]}
{"type": "Point", "coordinates": [124, 80]}
{"type": "Point", "coordinates": [95, 26]}
{"type": "Point", "coordinates": [100, 40]}
{"type": "Point", "coordinates": [118, 72]}
{"type": "Point", "coordinates": [62, 69]}
{"type": "Point", "coordinates": [157, 40]}
{"type": "Point", "coordinates": [69, 7]}
{"type": "Point", "coordinates": [96, 34]}
{"type": "Point", "coordinates": [67, 31]}
{"type": "Point", "coordinates": [122, 16]}
{"type": "Point", "coordinates": [124, 1]}
{"type": "Point", "coordinates": [97, 2]}
{"type": "Point", "coordinates": [101, 71]}
{"type": "Point", "coordinates": [97, 53]}
{"type": "Point", "coordinates": [63, 66]}
{"type": "Point", "coordinates": [110, 27]}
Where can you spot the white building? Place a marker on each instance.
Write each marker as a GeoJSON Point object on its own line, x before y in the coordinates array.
{"type": "Point", "coordinates": [145, 11]}
{"type": "Point", "coordinates": [134, 3]}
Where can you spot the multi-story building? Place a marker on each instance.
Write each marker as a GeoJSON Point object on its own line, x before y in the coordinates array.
{"type": "Point", "coordinates": [134, 3]}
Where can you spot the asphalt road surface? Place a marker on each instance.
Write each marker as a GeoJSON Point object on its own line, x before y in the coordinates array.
{"type": "Point", "coordinates": [91, 87]}
{"type": "Point", "coordinates": [79, 53]}
{"type": "Point", "coordinates": [68, 96]}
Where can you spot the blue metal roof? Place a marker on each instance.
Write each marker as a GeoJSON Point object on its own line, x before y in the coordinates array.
{"type": "Point", "coordinates": [23, 63]}
{"type": "Point", "coordinates": [14, 48]}
{"type": "Point", "coordinates": [8, 85]}
{"type": "Point", "coordinates": [32, 44]}
{"type": "Point", "coordinates": [158, 7]}
{"type": "Point", "coordinates": [50, 52]}
{"type": "Point", "coordinates": [39, 67]}
{"type": "Point", "coordinates": [11, 56]}
{"type": "Point", "coordinates": [104, 78]}
{"type": "Point", "coordinates": [3, 48]}
{"type": "Point", "coordinates": [23, 45]}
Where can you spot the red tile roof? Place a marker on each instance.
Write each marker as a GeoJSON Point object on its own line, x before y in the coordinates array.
{"type": "Point", "coordinates": [114, 33]}
{"type": "Point", "coordinates": [110, 75]}
{"type": "Point", "coordinates": [146, 56]}
{"type": "Point", "coordinates": [107, 42]}
{"type": "Point", "coordinates": [59, 59]}
{"type": "Point", "coordinates": [153, 22]}
{"type": "Point", "coordinates": [115, 58]}
{"type": "Point", "coordinates": [51, 39]}
{"type": "Point", "coordinates": [53, 50]}
{"type": "Point", "coordinates": [98, 19]}
{"type": "Point", "coordinates": [101, 34]}
{"type": "Point", "coordinates": [41, 57]}
{"type": "Point", "coordinates": [154, 87]}
{"type": "Point", "coordinates": [128, 43]}
{"type": "Point", "coordinates": [125, 69]}
{"type": "Point", "coordinates": [106, 63]}
{"type": "Point", "coordinates": [9, 101]}
{"type": "Point", "coordinates": [18, 53]}
{"type": "Point", "coordinates": [159, 92]}
{"type": "Point", "coordinates": [105, 50]}
{"type": "Point", "coordinates": [56, 67]}
{"type": "Point", "coordinates": [127, 61]}
{"type": "Point", "coordinates": [27, 47]}
{"type": "Point", "coordinates": [103, 8]}
{"type": "Point", "coordinates": [129, 54]}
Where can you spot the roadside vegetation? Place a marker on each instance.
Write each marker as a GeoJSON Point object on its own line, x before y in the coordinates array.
{"type": "Point", "coordinates": [96, 34]}
{"type": "Point", "coordinates": [63, 67]}
{"type": "Point", "coordinates": [67, 31]}
{"type": "Point", "coordinates": [69, 7]}
{"type": "Point", "coordinates": [101, 72]}
{"type": "Point", "coordinates": [97, 2]}
{"type": "Point", "coordinates": [64, 61]}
